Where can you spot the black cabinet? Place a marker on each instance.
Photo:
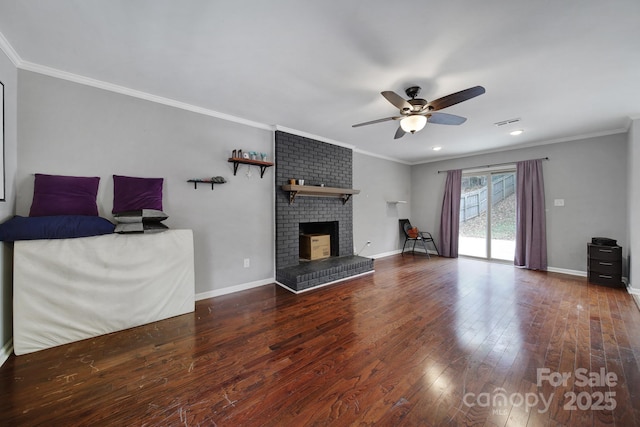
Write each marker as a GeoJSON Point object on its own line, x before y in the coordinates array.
{"type": "Point", "coordinates": [605, 265]}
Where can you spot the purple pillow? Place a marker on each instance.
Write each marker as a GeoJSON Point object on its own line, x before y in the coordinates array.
{"type": "Point", "coordinates": [131, 193]}
{"type": "Point", "coordinates": [64, 195]}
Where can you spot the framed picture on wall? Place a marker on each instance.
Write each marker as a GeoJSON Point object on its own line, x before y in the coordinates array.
{"type": "Point", "coordinates": [2, 142]}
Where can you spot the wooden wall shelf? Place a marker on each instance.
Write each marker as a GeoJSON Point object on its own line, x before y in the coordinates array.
{"type": "Point", "coordinates": [203, 181]}
{"type": "Point", "coordinates": [238, 161]}
{"type": "Point", "coordinates": [315, 191]}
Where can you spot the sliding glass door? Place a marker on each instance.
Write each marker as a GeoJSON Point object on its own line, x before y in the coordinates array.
{"type": "Point", "coordinates": [488, 215]}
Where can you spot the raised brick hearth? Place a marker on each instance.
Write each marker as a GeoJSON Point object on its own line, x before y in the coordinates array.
{"type": "Point", "coordinates": [307, 275]}
{"type": "Point", "coordinates": [317, 163]}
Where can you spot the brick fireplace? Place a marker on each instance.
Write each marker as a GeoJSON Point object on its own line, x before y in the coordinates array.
{"type": "Point", "coordinates": [317, 163]}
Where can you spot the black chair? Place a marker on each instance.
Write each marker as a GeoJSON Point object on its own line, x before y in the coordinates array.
{"type": "Point", "coordinates": [423, 237]}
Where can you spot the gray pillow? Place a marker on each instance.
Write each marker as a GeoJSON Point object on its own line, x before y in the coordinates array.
{"type": "Point", "coordinates": [140, 215]}
{"type": "Point", "coordinates": [140, 227]}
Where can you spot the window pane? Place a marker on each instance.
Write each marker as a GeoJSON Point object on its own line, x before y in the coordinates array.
{"type": "Point", "coordinates": [503, 216]}
{"type": "Point", "coordinates": [473, 216]}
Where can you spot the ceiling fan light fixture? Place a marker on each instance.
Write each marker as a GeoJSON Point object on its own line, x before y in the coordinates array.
{"type": "Point", "coordinates": [416, 112]}
{"type": "Point", "coordinates": [413, 124]}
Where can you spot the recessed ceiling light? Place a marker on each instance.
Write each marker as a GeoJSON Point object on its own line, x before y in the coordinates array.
{"type": "Point", "coordinates": [516, 132]}
{"type": "Point", "coordinates": [437, 148]}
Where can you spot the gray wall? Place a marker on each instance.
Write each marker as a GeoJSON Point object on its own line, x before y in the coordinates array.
{"type": "Point", "coordinates": [379, 181]}
{"type": "Point", "coordinates": [633, 195]}
{"type": "Point", "coordinates": [9, 77]}
{"type": "Point", "coordinates": [72, 129]}
{"type": "Point", "coordinates": [590, 174]}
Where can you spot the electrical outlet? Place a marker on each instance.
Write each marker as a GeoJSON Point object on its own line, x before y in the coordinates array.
{"type": "Point", "coordinates": [247, 263]}
{"type": "Point", "coordinates": [558, 202]}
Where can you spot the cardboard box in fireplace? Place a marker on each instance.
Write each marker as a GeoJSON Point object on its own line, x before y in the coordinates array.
{"type": "Point", "coordinates": [315, 246]}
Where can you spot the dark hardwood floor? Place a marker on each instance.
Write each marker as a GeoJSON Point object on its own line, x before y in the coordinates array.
{"type": "Point", "coordinates": [419, 342]}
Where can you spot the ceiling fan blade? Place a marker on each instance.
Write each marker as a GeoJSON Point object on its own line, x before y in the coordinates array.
{"type": "Point", "coordinates": [445, 119]}
{"type": "Point", "coordinates": [376, 121]}
{"type": "Point", "coordinates": [455, 98]}
{"type": "Point", "coordinates": [396, 100]}
{"type": "Point", "coordinates": [399, 133]}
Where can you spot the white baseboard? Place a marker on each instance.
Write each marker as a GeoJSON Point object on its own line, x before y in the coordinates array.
{"type": "Point", "coordinates": [633, 291]}
{"type": "Point", "coordinates": [6, 351]}
{"type": "Point", "coordinates": [324, 284]}
{"type": "Point", "coordinates": [232, 289]}
{"type": "Point", "coordinates": [397, 252]}
{"type": "Point", "coordinates": [383, 254]}
{"type": "Point", "coordinates": [567, 271]}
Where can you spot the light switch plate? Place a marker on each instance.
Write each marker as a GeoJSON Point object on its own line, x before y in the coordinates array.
{"type": "Point", "coordinates": [558, 202]}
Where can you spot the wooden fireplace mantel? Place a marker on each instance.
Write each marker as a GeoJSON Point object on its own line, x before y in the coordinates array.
{"type": "Point", "coordinates": [317, 191]}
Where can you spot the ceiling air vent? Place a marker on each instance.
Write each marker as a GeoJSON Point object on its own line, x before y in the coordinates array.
{"type": "Point", "coordinates": [507, 122]}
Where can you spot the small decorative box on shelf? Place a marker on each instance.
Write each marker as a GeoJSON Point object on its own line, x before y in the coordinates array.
{"type": "Point", "coordinates": [238, 161]}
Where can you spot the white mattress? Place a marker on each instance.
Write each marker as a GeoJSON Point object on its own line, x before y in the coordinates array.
{"type": "Point", "coordinates": [70, 289]}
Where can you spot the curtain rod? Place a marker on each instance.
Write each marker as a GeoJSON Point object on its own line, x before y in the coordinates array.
{"type": "Point", "coordinates": [495, 164]}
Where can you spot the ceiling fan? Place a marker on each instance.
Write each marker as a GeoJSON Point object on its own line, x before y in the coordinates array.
{"type": "Point", "coordinates": [416, 112]}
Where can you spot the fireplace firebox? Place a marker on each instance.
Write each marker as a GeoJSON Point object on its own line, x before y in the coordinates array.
{"type": "Point", "coordinates": [329, 227]}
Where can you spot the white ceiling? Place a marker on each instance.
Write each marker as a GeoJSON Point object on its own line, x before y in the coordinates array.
{"type": "Point", "coordinates": [566, 68]}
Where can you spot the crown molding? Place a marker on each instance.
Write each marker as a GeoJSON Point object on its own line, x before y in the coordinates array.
{"type": "Point", "coordinates": [528, 145]}
{"type": "Point", "coordinates": [87, 81]}
{"type": "Point", "coordinates": [380, 156]}
{"type": "Point", "coordinates": [53, 72]}
{"type": "Point", "coordinates": [13, 56]}
{"type": "Point", "coordinates": [9, 51]}
{"type": "Point", "coordinates": [334, 142]}
{"type": "Point", "coordinates": [312, 136]}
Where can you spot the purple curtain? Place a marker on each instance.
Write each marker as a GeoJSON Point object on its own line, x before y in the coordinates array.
{"type": "Point", "coordinates": [531, 229]}
{"type": "Point", "coordinates": [450, 217]}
